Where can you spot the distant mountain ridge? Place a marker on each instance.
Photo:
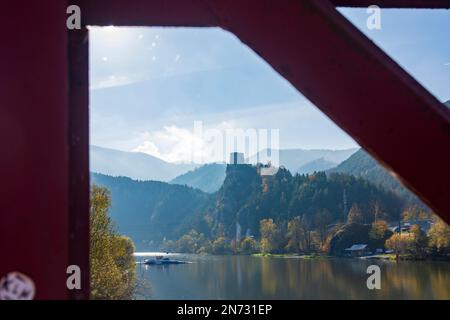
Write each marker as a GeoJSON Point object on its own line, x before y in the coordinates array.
{"type": "Point", "coordinates": [293, 159]}
{"type": "Point", "coordinates": [208, 178]}
{"type": "Point", "coordinates": [150, 210]}
{"type": "Point", "coordinates": [135, 165]}
{"type": "Point", "coordinates": [363, 165]}
{"type": "Point", "coordinates": [316, 165]}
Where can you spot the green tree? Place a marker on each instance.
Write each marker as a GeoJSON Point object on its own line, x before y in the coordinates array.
{"type": "Point", "coordinates": [306, 243]}
{"type": "Point", "coordinates": [191, 242]}
{"type": "Point", "coordinates": [111, 255]}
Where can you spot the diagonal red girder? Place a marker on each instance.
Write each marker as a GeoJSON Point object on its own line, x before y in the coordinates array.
{"type": "Point", "coordinates": [424, 4]}
{"type": "Point", "coordinates": [335, 66]}
{"type": "Point", "coordinates": [357, 85]}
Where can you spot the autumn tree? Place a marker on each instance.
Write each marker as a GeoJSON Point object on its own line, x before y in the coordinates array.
{"type": "Point", "coordinates": [419, 241]}
{"type": "Point", "coordinates": [248, 245]}
{"type": "Point", "coordinates": [439, 237]}
{"type": "Point", "coordinates": [322, 220]}
{"type": "Point", "coordinates": [377, 211]}
{"type": "Point", "coordinates": [355, 215]}
{"type": "Point", "coordinates": [400, 244]}
{"type": "Point", "coordinates": [415, 213]}
{"type": "Point", "coordinates": [219, 246]}
{"type": "Point", "coordinates": [294, 235]}
{"type": "Point", "coordinates": [270, 236]}
{"type": "Point", "coordinates": [379, 229]}
{"type": "Point", "coordinates": [111, 255]}
{"type": "Point", "coordinates": [191, 242]}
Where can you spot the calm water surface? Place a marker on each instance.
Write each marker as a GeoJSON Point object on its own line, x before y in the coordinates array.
{"type": "Point", "coordinates": [248, 277]}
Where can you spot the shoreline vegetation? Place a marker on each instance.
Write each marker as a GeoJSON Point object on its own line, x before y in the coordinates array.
{"type": "Point", "coordinates": [112, 264]}
{"type": "Point", "coordinates": [292, 255]}
{"type": "Point", "coordinates": [295, 240]}
{"type": "Point", "coordinates": [282, 216]}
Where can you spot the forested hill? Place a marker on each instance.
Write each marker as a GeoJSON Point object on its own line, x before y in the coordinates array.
{"type": "Point", "coordinates": [150, 210]}
{"type": "Point", "coordinates": [208, 178]}
{"type": "Point", "coordinates": [246, 198]}
{"type": "Point", "coordinates": [363, 165]}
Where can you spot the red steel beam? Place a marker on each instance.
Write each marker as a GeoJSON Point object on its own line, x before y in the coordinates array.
{"type": "Point", "coordinates": [356, 84]}
{"type": "Point", "coordinates": [335, 66]}
{"type": "Point", "coordinates": [78, 128]}
{"type": "Point", "coordinates": [33, 139]}
{"type": "Point", "coordinates": [419, 4]}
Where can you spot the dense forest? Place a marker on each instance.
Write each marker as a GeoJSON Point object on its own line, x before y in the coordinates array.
{"type": "Point", "coordinates": [246, 198]}
{"type": "Point", "coordinates": [319, 213]}
{"type": "Point", "coordinates": [361, 164]}
{"type": "Point", "coordinates": [150, 211]}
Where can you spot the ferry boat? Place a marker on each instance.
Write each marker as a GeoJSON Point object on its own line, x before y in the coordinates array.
{"type": "Point", "coordinates": [158, 258]}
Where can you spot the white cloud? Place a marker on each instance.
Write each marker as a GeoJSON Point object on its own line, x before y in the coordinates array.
{"type": "Point", "coordinates": [148, 147]}
{"type": "Point", "coordinates": [172, 144]}
{"type": "Point", "coordinates": [115, 81]}
{"type": "Point", "coordinates": [175, 144]}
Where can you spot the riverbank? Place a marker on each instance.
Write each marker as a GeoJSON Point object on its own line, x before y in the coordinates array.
{"type": "Point", "coordinates": [289, 277]}
{"type": "Point", "coordinates": [405, 257]}
{"type": "Point", "coordinates": [291, 255]}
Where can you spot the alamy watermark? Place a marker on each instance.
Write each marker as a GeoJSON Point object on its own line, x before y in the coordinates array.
{"type": "Point", "coordinates": [73, 21]}
{"type": "Point", "coordinates": [374, 280]}
{"type": "Point", "coordinates": [249, 145]}
{"type": "Point", "coordinates": [373, 22]}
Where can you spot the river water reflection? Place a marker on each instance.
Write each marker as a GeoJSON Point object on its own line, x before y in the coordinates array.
{"type": "Point", "coordinates": [249, 277]}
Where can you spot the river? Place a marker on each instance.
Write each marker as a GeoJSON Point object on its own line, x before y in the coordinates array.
{"type": "Point", "coordinates": [252, 277]}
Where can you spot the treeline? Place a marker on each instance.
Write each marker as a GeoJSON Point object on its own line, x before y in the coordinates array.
{"type": "Point", "coordinates": [246, 198]}
{"type": "Point", "coordinates": [112, 265]}
{"type": "Point", "coordinates": [151, 210]}
{"type": "Point", "coordinates": [361, 164]}
{"type": "Point", "coordinates": [298, 236]}
{"type": "Point", "coordinates": [418, 244]}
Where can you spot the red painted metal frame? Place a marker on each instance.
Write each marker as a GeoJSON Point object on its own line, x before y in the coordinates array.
{"type": "Point", "coordinates": [425, 4]}
{"type": "Point", "coordinates": [322, 54]}
{"type": "Point", "coordinates": [78, 125]}
{"type": "Point", "coordinates": [33, 143]}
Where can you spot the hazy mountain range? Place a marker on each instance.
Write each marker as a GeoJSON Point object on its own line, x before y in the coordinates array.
{"type": "Point", "coordinates": [135, 165]}
{"type": "Point", "coordinates": [146, 210]}
{"type": "Point", "coordinates": [295, 159]}
{"type": "Point", "coordinates": [363, 165]}
{"type": "Point", "coordinates": [209, 177]}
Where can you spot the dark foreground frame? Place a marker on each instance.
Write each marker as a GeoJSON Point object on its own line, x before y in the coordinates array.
{"type": "Point", "coordinates": [318, 51]}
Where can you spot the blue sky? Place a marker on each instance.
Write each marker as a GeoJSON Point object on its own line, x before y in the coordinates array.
{"type": "Point", "coordinates": [149, 85]}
